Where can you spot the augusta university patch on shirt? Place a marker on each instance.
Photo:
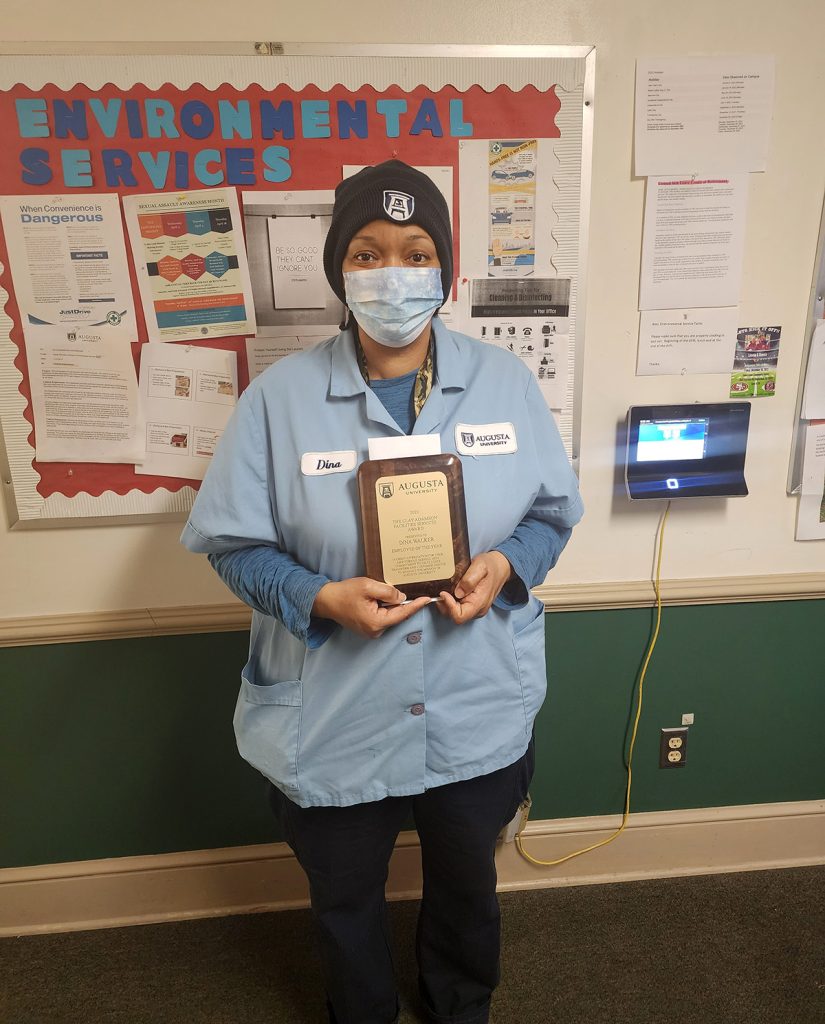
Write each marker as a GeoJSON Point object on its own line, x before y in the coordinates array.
{"type": "Point", "coordinates": [485, 439]}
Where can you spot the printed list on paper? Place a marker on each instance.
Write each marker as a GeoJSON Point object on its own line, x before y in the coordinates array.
{"type": "Point", "coordinates": [706, 114]}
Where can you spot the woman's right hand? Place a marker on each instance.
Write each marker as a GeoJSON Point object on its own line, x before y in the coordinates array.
{"type": "Point", "coordinates": [359, 604]}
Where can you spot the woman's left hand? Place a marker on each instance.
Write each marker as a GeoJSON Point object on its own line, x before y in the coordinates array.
{"type": "Point", "coordinates": [477, 588]}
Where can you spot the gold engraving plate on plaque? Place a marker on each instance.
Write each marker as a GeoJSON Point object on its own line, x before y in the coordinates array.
{"type": "Point", "coordinates": [414, 522]}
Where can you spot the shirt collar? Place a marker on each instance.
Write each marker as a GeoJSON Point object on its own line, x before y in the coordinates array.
{"type": "Point", "coordinates": [449, 365]}
{"type": "Point", "coordinates": [346, 380]}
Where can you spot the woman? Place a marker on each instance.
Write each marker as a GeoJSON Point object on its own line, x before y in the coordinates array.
{"type": "Point", "coordinates": [358, 707]}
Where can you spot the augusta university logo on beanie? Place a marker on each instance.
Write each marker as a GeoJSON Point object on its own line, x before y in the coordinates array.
{"type": "Point", "coordinates": [398, 205]}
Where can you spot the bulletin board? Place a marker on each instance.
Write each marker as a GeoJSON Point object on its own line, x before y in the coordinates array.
{"type": "Point", "coordinates": [287, 120]}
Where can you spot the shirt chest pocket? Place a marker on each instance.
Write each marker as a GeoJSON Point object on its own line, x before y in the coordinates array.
{"type": "Point", "coordinates": [498, 492]}
{"type": "Point", "coordinates": [318, 512]}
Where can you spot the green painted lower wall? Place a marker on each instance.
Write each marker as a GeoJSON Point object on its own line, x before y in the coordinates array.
{"type": "Point", "coordinates": [125, 747]}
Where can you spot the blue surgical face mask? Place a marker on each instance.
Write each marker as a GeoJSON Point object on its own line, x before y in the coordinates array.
{"type": "Point", "coordinates": [394, 304]}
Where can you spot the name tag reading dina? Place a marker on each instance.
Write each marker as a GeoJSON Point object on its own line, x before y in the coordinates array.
{"type": "Point", "coordinates": [321, 463]}
{"type": "Point", "coordinates": [485, 439]}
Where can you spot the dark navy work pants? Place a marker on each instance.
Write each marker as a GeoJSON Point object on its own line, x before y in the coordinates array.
{"type": "Point", "coordinates": [345, 853]}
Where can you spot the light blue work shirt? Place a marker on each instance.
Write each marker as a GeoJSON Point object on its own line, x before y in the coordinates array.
{"type": "Point", "coordinates": [429, 702]}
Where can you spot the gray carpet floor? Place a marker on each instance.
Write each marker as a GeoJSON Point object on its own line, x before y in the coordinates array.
{"type": "Point", "coordinates": [744, 948]}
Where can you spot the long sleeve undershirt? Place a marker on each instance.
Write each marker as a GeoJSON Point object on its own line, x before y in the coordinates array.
{"type": "Point", "coordinates": [273, 583]}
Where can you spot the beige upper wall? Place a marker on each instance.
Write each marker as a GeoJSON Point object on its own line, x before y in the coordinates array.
{"type": "Point", "coordinates": [107, 568]}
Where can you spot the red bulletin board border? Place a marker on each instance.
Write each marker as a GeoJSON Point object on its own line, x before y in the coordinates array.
{"type": "Point", "coordinates": [314, 163]}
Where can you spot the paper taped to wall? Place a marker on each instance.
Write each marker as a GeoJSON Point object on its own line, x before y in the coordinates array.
{"type": "Point", "coordinates": [708, 114]}
{"type": "Point", "coordinates": [686, 341]}
{"type": "Point", "coordinates": [693, 242]}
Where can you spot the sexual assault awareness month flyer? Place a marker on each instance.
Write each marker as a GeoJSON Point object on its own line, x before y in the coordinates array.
{"type": "Point", "coordinates": [68, 261]}
{"type": "Point", "coordinates": [191, 263]}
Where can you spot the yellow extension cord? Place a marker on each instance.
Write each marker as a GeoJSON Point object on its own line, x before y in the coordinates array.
{"type": "Point", "coordinates": [620, 829]}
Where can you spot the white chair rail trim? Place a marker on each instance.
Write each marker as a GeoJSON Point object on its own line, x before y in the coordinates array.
{"type": "Point", "coordinates": [112, 625]}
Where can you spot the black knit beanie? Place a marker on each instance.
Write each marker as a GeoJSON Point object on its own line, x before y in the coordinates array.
{"type": "Point", "coordinates": [391, 191]}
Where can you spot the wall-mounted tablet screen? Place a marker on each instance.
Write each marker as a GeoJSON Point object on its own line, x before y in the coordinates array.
{"type": "Point", "coordinates": [666, 440]}
{"type": "Point", "coordinates": [687, 450]}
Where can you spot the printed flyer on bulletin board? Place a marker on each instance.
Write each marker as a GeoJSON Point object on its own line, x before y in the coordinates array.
{"type": "Point", "coordinates": [191, 263]}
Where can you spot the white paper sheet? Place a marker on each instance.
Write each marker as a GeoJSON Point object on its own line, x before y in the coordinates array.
{"type": "Point", "coordinates": [708, 114]}
{"type": "Point", "coordinates": [188, 394]}
{"type": "Point", "coordinates": [84, 395]}
{"type": "Point", "coordinates": [693, 242]}
{"type": "Point", "coordinates": [68, 261]}
{"type": "Point", "coordinates": [813, 405]}
{"type": "Point", "coordinates": [191, 264]}
{"type": "Point", "coordinates": [262, 352]}
{"type": "Point", "coordinates": [810, 522]}
{"type": "Point", "coordinates": [296, 250]}
{"type": "Point", "coordinates": [260, 210]}
{"type": "Point", "coordinates": [484, 214]}
{"type": "Point", "coordinates": [687, 341]}
{"type": "Point", "coordinates": [404, 446]}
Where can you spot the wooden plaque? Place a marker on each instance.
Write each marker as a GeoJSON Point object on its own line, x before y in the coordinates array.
{"type": "Point", "coordinates": [414, 522]}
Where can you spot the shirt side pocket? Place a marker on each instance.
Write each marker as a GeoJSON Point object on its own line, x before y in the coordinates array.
{"type": "Point", "coordinates": [268, 727]}
{"type": "Point", "coordinates": [532, 667]}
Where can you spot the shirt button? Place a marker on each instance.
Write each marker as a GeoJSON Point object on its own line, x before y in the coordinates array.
{"type": "Point", "coordinates": [414, 638]}
{"type": "Point", "coordinates": [417, 709]}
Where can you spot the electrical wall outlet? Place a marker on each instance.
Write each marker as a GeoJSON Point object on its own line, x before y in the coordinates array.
{"type": "Point", "coordinates": [672, 748]}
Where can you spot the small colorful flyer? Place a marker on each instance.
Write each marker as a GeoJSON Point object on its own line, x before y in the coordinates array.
{"type": "Point", "coordinates": [191, 264]}
{"type": "Point", "coordinates": [754, 362]}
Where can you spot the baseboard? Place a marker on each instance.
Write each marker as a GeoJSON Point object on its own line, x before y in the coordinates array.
{"type": "Point", "coordinates": [114, 625]}
{"type": "Point", "coordinates": [238, 880]}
